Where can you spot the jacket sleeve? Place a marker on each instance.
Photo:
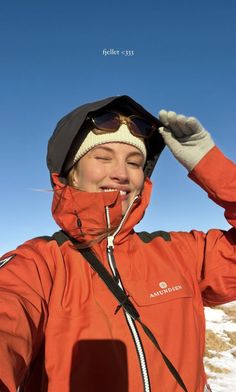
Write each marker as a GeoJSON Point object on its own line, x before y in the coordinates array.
{"type": "Point", "coordinates": [25, 282]}
{"type": "Point", "coordinates": [216, 174]}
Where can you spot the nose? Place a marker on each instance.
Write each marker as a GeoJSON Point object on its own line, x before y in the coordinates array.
{"type": "Point", "coordinates": [119, 172]}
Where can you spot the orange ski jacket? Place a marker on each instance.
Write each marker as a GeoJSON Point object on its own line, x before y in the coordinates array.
{"type": "Point", "coordinates": [58, 330]}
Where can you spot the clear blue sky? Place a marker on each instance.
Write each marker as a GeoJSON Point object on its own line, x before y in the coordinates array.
{"type": "Point", "coordinates": [52, 61]}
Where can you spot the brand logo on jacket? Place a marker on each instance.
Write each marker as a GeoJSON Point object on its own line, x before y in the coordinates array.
{"type": "Point", "coordinates": [163, 285]}
{"type": "Point", "coordinates": [165, 289]}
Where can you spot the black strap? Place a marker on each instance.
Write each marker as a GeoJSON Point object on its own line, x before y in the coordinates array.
{"type": "Point", "coordinates": [125, 303]}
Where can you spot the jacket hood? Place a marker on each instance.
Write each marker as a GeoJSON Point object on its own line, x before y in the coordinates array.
{"type": "Point", "coordinates": [82, 215]}
{"type": "Point", "coordinates": [69, 134]}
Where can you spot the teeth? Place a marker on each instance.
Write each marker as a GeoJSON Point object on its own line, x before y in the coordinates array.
{"type": "Point", "coordinates": [112, 190]}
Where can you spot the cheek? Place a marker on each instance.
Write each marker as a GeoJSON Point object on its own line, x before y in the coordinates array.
{"type": "Point", "coordinates": [92, 174]}
{"type": "Point", "coordinates": [139, 181]}
{"type": "Point", "coordinates": [96, 173]}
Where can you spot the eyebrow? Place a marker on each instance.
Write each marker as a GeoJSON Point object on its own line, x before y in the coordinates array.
{"type": "Point", "coordinates": [109, 149]}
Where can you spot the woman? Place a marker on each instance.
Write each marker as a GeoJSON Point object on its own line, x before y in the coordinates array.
{"type": "Point", "coordinates": [61, 327]}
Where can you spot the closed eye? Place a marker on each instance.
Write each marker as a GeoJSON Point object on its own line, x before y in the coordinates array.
{"type": "Point", "coordinates": [103, 158]}
{"type": "Point", "coordinates": [135, 164]}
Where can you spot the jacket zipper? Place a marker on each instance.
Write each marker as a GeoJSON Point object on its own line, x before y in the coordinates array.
{"type": "Point", "coordinates": [129, 320]}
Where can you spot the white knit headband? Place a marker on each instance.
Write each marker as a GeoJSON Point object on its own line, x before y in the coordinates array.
{"type": "Point", "coordinates": [122, 135]}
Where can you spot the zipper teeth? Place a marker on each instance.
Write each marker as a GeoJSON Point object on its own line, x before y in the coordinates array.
{"type": "Point", "coordinates": [142, 359]}
{"type": "Point", "coordinates": [134, 333]}
{"type": "Point", "coordinates": [130, 321]}
{"type": "Point", "coordinates": [108, 217]}
{"type": "Point", "coordinates": [124, 217]}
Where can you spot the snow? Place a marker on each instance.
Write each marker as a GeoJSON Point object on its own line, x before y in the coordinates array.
{"type": "Point", "coordinates": [220, 323]}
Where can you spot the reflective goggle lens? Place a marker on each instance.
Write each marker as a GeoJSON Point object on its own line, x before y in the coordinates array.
{"type": "Point", "coordinates": [107, 122]}
{"type": "Point", "coordinates": [111, 121]}
{"type": "Point", "coordinates": [140, 127]}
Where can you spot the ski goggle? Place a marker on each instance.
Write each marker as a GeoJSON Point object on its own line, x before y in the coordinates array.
{"type": "Point", "coordinates": [107, 122]}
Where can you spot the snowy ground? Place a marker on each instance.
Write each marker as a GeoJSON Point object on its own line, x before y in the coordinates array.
{"type": "Point", "coordinates": [220, 362]}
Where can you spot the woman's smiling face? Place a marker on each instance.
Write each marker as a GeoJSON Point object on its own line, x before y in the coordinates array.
{"type": "Point", "coordinates": [111, 166]}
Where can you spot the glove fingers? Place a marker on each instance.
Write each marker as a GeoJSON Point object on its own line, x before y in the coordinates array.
{"type": "Point", "coordinates": [169, 119]}
{"type": "Point", "coordinates": [186, 126]}
{"type": "Point", "coordinates": [183, 125]}
{"type": "Point", "coordinates": [180, 125]}
{"type": "Point", "coordinates": [174, 125]}
{"type": "Point", "coordinates": [193, 124]}
{"type": "Point", "coordinates": [168, 137]}
{"type": "Point", "coordinates": [163, 116]}
{"type": "Point", "coordinates": [185, 137]}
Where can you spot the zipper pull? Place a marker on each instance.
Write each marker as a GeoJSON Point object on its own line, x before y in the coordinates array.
{"type": "Point", "coordinates": [110, 242]}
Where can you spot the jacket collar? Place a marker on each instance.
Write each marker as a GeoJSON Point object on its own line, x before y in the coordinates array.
{"type": "Point", "coordinates": [82, 215]}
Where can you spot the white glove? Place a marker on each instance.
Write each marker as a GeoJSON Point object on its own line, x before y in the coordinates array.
{"type": "Point", "coordinates": [185, 137]}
